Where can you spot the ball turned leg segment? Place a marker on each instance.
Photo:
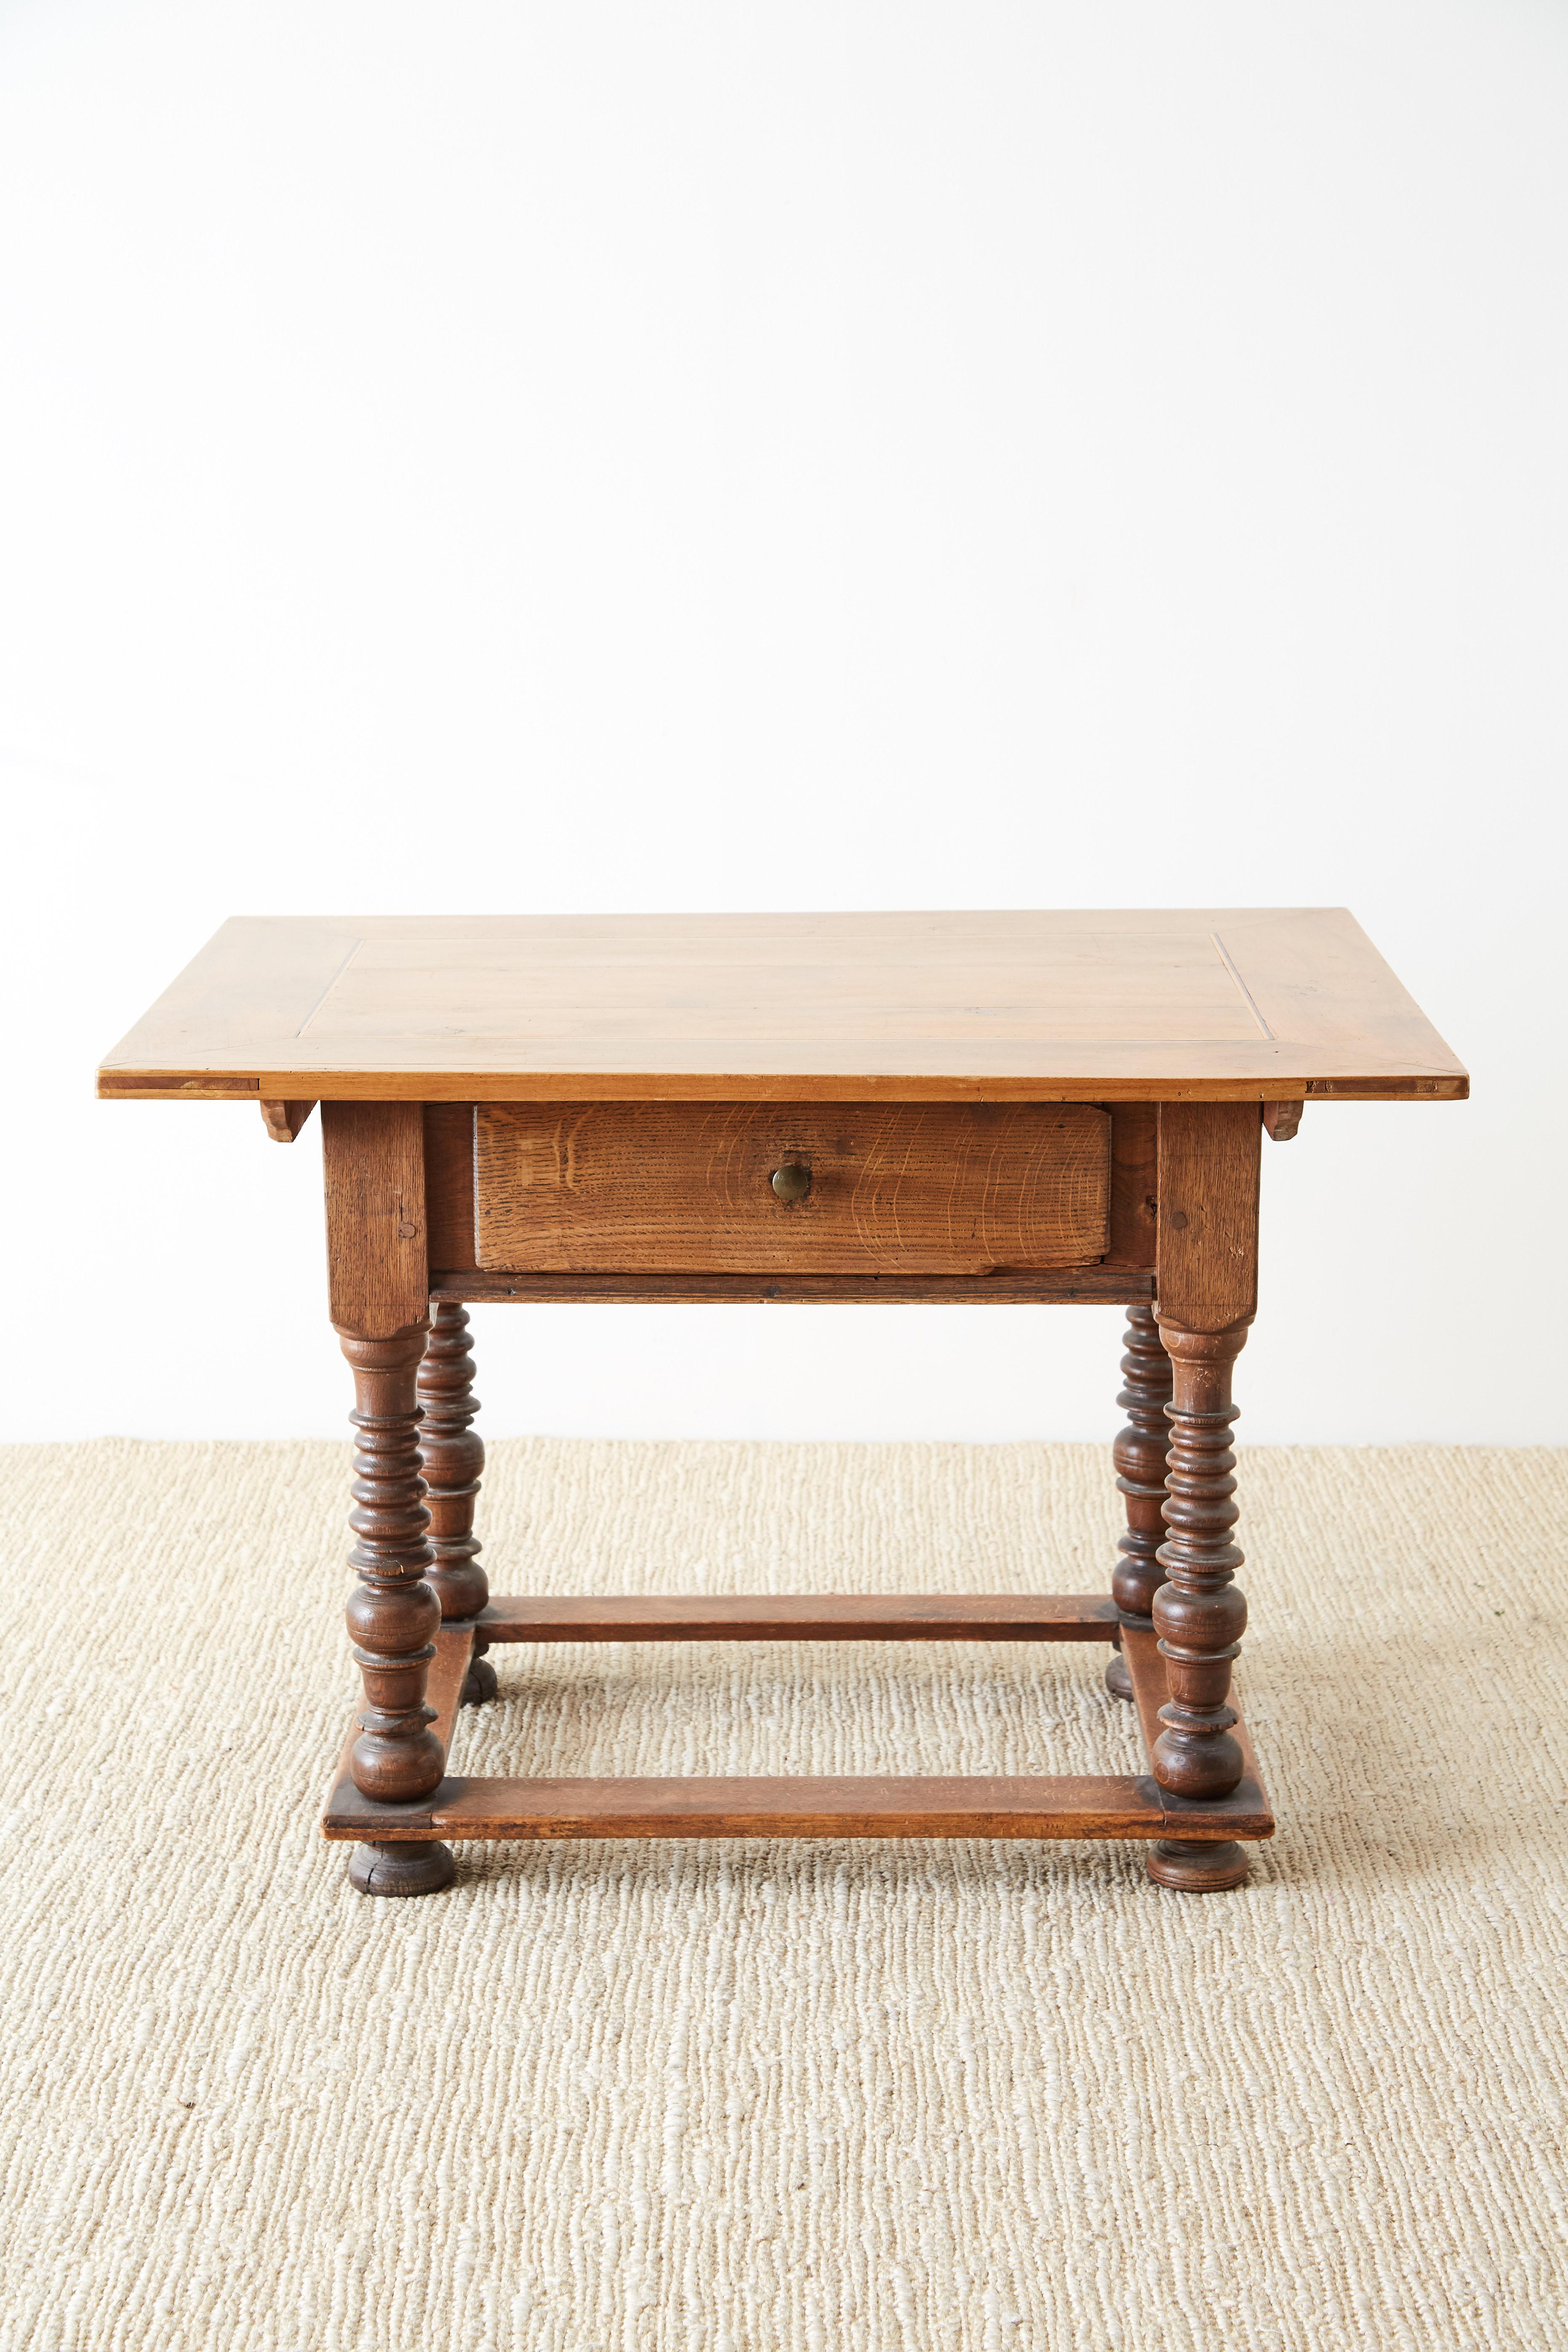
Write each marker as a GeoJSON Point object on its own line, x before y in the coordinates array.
{"type": "Point", "coordinates": [1196, 1868]}
{"type": "Point", "coordinates": [420, 1867]}
{"type": "Point", "coordinates": [452, 1456]}
{"type": "Point", "coordinates": [1199, 1613]}
{"type": "Point", "coordinates": [1140, 1454]}
{"type": "Point", "coordinates": [394, 1611]}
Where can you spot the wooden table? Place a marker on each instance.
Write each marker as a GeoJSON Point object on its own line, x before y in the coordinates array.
{"type": "Point", "coordinates": [1009, 1109]}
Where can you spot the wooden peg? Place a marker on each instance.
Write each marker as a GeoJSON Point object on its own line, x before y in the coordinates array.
{"type": "Point", "coordinates": [1281, 1119]}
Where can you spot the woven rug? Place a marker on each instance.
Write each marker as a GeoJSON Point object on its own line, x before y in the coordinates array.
{"type": "Point", "coordinates": [848, 2097]}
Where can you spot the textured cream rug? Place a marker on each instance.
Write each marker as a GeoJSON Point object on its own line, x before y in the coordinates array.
{"type": "Point", "coordinates": [734, 2098]}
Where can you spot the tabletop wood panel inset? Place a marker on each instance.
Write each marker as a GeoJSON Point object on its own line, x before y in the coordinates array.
{"type": "Point", "coordinates": [1152, 1005]}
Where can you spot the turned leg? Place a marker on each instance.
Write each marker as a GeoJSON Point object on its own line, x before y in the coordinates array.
{"type": "Point", "coordinates": [1138, 1454]}
{"type": "Point", "coordinates": [393, 1614]}
{"type": "Point", "coordinates": [452, 1455]}
{"type": "Point", "coordinates": [1198, 1612]}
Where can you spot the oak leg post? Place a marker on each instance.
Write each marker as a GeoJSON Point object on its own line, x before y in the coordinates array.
{"type": "Point", "coordinates": [1199, 1612]}
{"type": "Point", "coordinates": [1138, 1454]}
{"type": "Point", "coordinates": [453, 1455]}
{"type": "Point", "coordinates": [393, 1614]}
{"type": "Point", "coordinates": [1206, 1286]}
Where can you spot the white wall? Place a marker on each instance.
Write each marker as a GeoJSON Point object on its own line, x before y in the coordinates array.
{"type": "Point", "coordinates": [636, 456]}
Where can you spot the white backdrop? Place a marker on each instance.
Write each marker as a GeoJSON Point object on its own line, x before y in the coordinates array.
{"type": "Point", "coordinates": [630, 456]}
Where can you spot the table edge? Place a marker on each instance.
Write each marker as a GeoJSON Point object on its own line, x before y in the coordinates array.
{"type": "Point", "coordinates": [132, 1083]}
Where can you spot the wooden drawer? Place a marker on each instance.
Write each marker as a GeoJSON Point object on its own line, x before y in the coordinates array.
{"type": "Point", "coordinates": [910, 1188]}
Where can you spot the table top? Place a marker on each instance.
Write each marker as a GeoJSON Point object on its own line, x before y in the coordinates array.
{"type": "Point", "coordinates": [1197, 1005]}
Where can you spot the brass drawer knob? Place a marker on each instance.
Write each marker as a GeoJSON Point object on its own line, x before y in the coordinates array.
{"type": "Point", "coordinates": [792, 1181]}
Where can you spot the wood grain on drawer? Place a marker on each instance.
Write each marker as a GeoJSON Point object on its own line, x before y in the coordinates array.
{"type": "Point", "coordinates": [938, 1188]}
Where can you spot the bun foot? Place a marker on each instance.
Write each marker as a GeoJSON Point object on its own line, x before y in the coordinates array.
{"type": "Point", "coordinates": [421, 1867]}
{"type": "Point", "coordinates": [1118, 1681]}
{"type": "Point", "coordinates": [1196, 1869]}
{"type": "Point", "coordinates": [480, 1685]}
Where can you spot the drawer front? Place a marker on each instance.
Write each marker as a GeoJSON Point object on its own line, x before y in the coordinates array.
{"type": "Point", "coordinates": [910, 1188]}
